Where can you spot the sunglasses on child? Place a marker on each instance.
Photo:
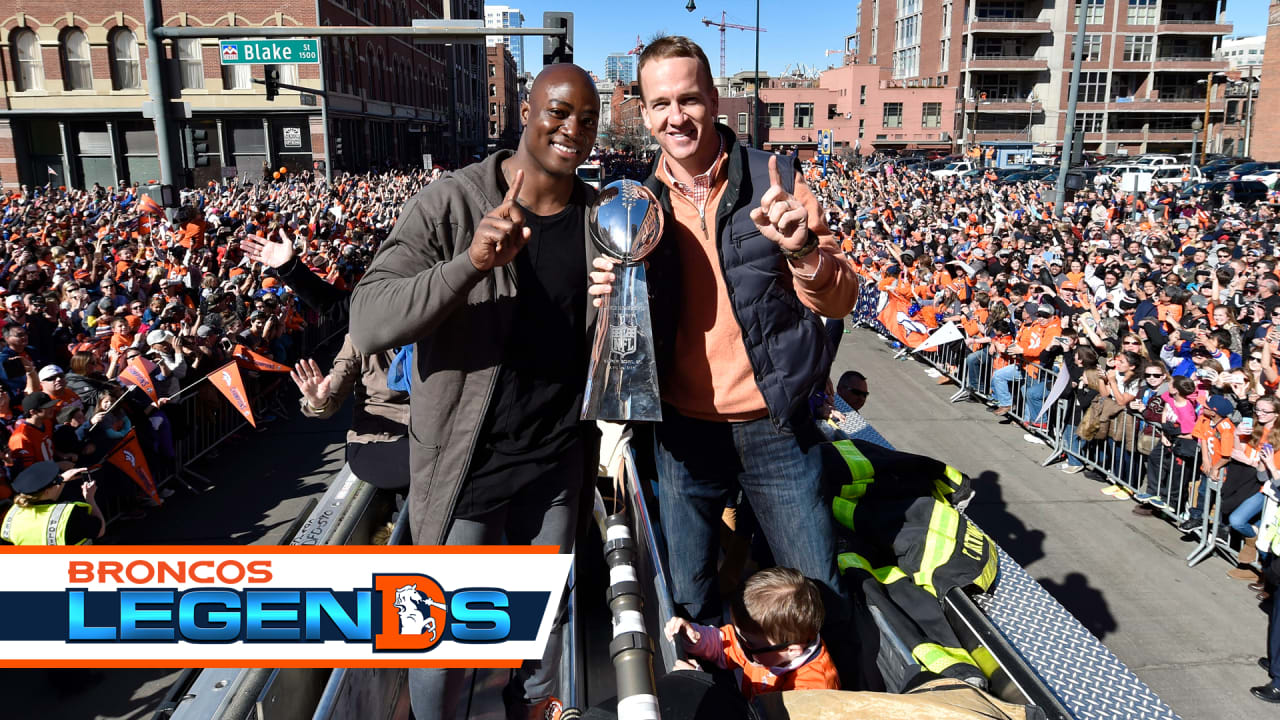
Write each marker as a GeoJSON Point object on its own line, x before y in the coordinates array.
{"type": "Point", "coordinates": [751, 652]}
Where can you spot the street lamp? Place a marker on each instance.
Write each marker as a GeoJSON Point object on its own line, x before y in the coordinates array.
{"type": "Point", "coordinates": [1196, 127]}
{"type": "Point", "coordinates": [1208, 98]}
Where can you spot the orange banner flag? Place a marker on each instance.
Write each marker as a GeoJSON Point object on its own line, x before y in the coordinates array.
{"type": "Point", "coordinates": [128, 458]}
{"type": "Point", "coordinates": [137, 374]}
{"type": "Point", "coordinates": [254, 361]}
{"type": "Point", "coordinates": [147, 204]}
{"type": "Point", "coordinates": [229, 382]}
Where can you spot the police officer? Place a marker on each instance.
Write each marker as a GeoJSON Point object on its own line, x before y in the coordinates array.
{"type": "Point", "coordinates": [37, 518]}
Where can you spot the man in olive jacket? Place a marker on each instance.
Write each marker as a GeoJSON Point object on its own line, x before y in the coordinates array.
{"type": "Point", "coordinates": [485, 272]}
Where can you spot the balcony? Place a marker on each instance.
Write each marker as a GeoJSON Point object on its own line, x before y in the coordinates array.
{"type": "Point", "coordinates": [1014, 106]}
{"type": "Point", "coordinates": [1193, 27]}
{"type": "Point", "coordinates": [1187, 63]}
{"type": "Point", "coordinates": [1147, 105]}
{"type": "Point", "coordinates": [1008, 25]}
{"type": "Point", "coordinates": [1006, 63]}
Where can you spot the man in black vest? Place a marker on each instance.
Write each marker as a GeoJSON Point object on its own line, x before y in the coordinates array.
{"type": "Point", "coordinates": [744, 270]}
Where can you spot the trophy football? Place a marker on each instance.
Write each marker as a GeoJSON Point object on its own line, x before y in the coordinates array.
{"type": "Point", "coordinates": [622, 384]}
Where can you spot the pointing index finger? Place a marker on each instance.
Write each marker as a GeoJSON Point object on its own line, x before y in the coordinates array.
{"type": "Point", "coordinates": [774, 178]}
{"type": "Point", "coordinates": [514, 192]}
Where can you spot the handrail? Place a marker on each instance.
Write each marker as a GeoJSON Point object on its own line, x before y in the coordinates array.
{"type": "Point", "coordinates": [648, 537]}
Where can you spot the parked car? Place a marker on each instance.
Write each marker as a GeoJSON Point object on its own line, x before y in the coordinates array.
{"type": "Point", "coordinates": [1156, 160]}
{"type": "Point", "coordinates": [1249, 168]}
{"type": "Point", "coordinates": [1246, 192]}
{"type": "Point", "coordinates": [952, 169]}
{"type": "Point", "coordinates": [1177, 175]}
{"type": "Point", "coordinates": [1267, 177]}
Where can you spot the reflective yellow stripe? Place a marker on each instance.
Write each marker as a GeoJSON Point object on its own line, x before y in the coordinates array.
{"type": "Point", "coordinates": [955, 476]}
{"type": "Point", "coordinates": [988, 576]}
{"type": "Point", "coordinates": [886, 575]}
{"type": "Point", "coordinates": [859, 466]}
{"type": "Point", "coordinates": [986, 663]}
{"type": "Point", "coordinates": [936, 658]}
{"type": "Point", "coordinates": [843, 510]}
{"type": "Point", "coordinates": [940, 542]}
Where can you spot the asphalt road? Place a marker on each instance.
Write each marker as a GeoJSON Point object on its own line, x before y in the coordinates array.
{"type": "Point", "coordinates": [1192, 634]}
{"type": "Point", "coordinates": [262, 481]}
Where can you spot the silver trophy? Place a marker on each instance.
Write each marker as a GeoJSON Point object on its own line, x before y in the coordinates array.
{"type": "Point", "coordinates": [626, 224]}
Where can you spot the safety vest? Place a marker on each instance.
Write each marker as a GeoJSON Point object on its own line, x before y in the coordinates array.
{"type": "Point", "coordinates": [44, 524]}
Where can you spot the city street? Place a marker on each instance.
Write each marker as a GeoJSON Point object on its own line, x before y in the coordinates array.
{"type": "Point", "coordinates": [1193, 635]}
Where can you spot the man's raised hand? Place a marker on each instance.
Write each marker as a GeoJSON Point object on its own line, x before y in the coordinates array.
{"type": "Point", "coordinates": [780, 217]}
{"type": "Point", "coordinates": [269, 252]}
{"type": "Point", "coordinates": [501, 234]}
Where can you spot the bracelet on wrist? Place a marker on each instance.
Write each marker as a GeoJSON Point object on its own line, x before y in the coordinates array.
{"type": "Point", "coordinates": [803, 251]}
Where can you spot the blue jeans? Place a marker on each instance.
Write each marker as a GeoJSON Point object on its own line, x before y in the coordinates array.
{"type": "Point", "coordinates": [1036, 390]}
{"type": "Point", "coordinates": [701, 464]}
{"type": "Point", "coordinates": [1002, 382]}
{"type": "Point", "coordinates": [1201, 500]}
{"type": "Point", "coordinates": [974, 368]}
{"type": "Point", "coordinates": [542, 513]}
{"type": "Point", "coordinates": [1242, 517]}
{"type": "Point", "coordinates": [1072, 443]}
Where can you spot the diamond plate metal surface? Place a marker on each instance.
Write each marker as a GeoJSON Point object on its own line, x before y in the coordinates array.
{"type": "Point", "coordinates": [1086, 677]}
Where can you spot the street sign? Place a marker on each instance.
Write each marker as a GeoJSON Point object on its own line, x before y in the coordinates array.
{"type": "Point", "coordinates": [263, 52]}
{"type": "Point", "coordinates": [824, 142]}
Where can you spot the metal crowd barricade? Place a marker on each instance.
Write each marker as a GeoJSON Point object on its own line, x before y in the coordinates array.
{"type": "Point", "coordinates": [1117, 458]}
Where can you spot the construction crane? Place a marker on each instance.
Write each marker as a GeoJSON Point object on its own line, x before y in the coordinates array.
{"type": "Point", "coordinates": [722, 25]}
{"type": "Point", "coordinates": [639, 48]}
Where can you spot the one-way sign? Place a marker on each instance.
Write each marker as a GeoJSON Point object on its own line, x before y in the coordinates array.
{"type": "Point", "coordinates": [270, 52]}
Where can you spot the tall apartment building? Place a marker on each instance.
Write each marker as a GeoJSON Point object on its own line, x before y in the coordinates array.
{"type": "Point", "coordinates": [504, 109]}
{"type": "Point", "coordinates": [1148, 66]}
{"type": "Point", "coordinates": [619, 68]}
{"type": "Point", "coordinates": [503, 16]}
{"type": "Point", "coordinates": [75, 80]}
{"type": "Point", "coordinates": [1242, 52]}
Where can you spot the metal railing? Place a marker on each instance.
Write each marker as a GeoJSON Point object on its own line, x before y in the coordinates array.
{"type": "Point", "coordinates": [1145, 469]}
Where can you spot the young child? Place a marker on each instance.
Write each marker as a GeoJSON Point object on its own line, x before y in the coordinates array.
{"type": "Point", "coordinates": [773, 638]}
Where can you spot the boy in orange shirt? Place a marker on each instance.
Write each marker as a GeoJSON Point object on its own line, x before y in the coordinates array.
{"type": "Point", "coordinates": [1217, 436]}
{"type": "Point", "coordinates": [773, 638]}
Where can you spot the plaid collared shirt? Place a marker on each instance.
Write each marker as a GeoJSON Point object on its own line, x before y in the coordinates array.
{"type": "Point", "coordinates": [701, 188]}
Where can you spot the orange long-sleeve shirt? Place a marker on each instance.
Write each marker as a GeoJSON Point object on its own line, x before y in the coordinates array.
{"type": "Point", "coordinates": [712, 378]}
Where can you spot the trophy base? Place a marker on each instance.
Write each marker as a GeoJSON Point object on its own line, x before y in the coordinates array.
{"type": "Point", "coordinates": [623, 381]}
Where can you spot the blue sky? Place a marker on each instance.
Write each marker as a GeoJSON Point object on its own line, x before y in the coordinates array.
{"type": "Point", "coordinates": [796, 32]}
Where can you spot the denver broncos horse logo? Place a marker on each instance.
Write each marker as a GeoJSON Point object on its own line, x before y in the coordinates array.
{"type": "Point", "coordinates": [410, 604]}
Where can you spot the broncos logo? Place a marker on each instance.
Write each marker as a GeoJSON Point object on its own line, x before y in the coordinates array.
{"type": "Point", "coordinates": [226, 378]}
{"type": "Point", "coordinates": [410, 603]}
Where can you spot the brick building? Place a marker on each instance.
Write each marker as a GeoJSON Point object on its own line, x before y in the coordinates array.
{"type": "Point", "coordinates": [1146, 70]}
{"type": "Point", "coordinates": [75, 82]}
{"type": "Point", "coordinates": [1266, 110]}
{"type": "Point", "coordinates": [504, 107]}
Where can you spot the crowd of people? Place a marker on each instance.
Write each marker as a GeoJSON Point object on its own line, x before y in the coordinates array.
{"type": "Point", "coordinates": [1159, 311]}
{"type": "Point", "coordinates": [99, 285]}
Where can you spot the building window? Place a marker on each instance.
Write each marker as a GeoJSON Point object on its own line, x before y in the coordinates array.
{"type": "Point", "coordinates": [742, 122]}
{"type": "Point", "coordinates": [1093, 87]}
{"type": "Point", "coordinates": [1090, 122]}
{"type": "Point", "coordinates": [237, 77]}
{"type": "Point", "coordinates": [777, 113]}
{"type": "Point", "coordinates": [944, 58]}
{"type": "Point", "coordinates": [862, 95]}
{"type": "Point", "coordinates": [1137, 48]}
{"type": "Point", "coordinates": [1142, 12]}
{"type": "Point", "coordinates": [26, 58]}
{"type": "Point", "coordinates": [77, 73]}
{"type": "Point", "coordinates": [931, 115]}
{"type": "Point", "coordinates": [493, 108]}
{"type": "Point", "coordinates": [126, 71]}
{"type": "Point", "coordinates": [191, 63]}
{"type": "Point", "coordinates": [723, 120]}
{"type": "Point", "coordinates": [493, 70]}
{"type": "Point", "coordinates": [493, 90]}
{"type": "Point", "coordinates": [892, 115]}
{"type": "Point", "coordinates": [1094, 12]}
{"type": "Point", "coordinates": [1092, 48]}
{"type": "Point", "coordinates": [832, 113]}
{"type": "Point", "coordinates": [804, 115]}
{"type": "Point", "coordinates": [862, 126]}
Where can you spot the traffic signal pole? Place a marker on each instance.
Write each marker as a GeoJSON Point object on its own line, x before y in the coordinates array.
{"type": "Point", "coordinates": [1069, 133]}
{"type": "Point", "coordinates": [157, 34]}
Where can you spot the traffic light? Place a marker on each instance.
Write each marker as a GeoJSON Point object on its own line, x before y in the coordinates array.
{"type": "Point", "coordinates": [556, 49]}
{"type": "Point", "coordinates": [272, 81]}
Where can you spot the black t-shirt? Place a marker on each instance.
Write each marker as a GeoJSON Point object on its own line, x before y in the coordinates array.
{"type": "Point", "coordinates": [81, 525]}
{"type": "Point", "coordinates": [533, 414]}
